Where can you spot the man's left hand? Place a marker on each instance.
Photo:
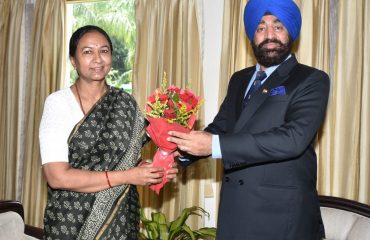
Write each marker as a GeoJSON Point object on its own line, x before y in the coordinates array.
{"type": "Point", "coordinates": [196, 143]}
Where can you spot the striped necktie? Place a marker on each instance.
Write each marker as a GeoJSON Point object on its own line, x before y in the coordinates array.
{"type": "Point", "coordinates": [256, 84]}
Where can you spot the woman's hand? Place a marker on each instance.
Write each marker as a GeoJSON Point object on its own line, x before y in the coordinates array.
{"type": "Point", "coordinates": [171, 174]}
{"type": "Point", "coordinates": [144, 174]}
{"type": "Point", "coordinates": [63, 176]}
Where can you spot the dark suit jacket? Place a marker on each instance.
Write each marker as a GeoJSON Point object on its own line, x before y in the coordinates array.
{"type": "Point", "coordinates": [269, 184]}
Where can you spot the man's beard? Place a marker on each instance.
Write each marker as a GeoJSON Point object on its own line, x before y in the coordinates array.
{"type": "Point", "coordinates": [271, 57]}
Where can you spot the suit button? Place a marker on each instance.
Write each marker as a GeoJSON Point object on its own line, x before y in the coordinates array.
{"type": "Point", "coordinates": [227, 179]}
{"type": "Point", "coordinates": [241, 182]}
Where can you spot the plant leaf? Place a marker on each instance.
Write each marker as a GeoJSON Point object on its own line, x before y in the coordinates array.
{"type": "Point", "coordinates": [186, 212]}
{"type": "Point", "coordinates": [157, 228]}
{"type": "Point", "coordinates": [143, 217]}
{"type": "Point", "coordinates": [142, 236]}
{"type": "Point", "coordinates": [181, 235]}
{"type": "Point", "coordinates": [175, 97]}
{"type": "Point", "coordinates": [173, 233]}
{"type": "Point", "coordinates": [206, 232]}
{"type": "Point", "coordinates": [152, 230]}
{"type": "Point", "coordinates": [150, 226]}
{"type": "Point", "coordinates": [163, 231]}
{"type": "Point", "coordinates": [187, 229]}
{"type": "Point", "coordinates": [159, 218]}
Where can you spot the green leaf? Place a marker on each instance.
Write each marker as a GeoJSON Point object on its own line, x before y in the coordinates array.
{"type": "Point", "coordinates": [175, 97]}
{"type": "Point", "coordinates": [142, 236]}
{"type": "Point", "coordinates": [173, 233]}
{"type": "Point", "coordinates": [149, 225]}
{"type": "Point", "coordinates": [152, 230]}
{"type": "Point", "coordinates": [161, 222]}
{"type": "Point", "coordinates": [163, 232]}
{"type": "Point", "coordinates": [206, 232]}
{"type": "Point", "coordinates": [143, 217]}
{"type": "Point", "coordinates": [187, 229]}
{"type": "Point", "coordinates": [159, 218]}
{"type": "Point", "coordinates": [186, 212]}
{"type": "Point", "coordinates": [158, 228]}
{"type": "Point", "coordinates": [181, 235]}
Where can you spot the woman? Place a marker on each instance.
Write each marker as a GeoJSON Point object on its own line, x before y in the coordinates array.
{"type": "Point", "coordinates": [90, 139]}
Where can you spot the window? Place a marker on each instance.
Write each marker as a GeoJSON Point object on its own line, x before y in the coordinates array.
{"type": "Point", "coordinates": [117, 18]}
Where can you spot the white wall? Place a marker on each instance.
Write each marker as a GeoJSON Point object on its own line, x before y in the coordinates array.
{"type": "Point", "coordinates": [212, 41]}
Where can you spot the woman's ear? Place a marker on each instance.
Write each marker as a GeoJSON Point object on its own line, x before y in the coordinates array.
{"type": "Point", "coordinates": [72, 60]}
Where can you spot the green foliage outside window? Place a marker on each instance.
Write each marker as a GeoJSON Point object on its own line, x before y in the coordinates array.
{"type": "Point", "coordinates": [117, 18]}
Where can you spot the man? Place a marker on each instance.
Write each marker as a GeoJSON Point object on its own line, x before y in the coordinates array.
{"type": "Point", "coordinates": [266, 138]}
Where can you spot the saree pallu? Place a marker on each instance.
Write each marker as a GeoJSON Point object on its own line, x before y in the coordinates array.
{"type": "Point", "coordinates": [109, 138]}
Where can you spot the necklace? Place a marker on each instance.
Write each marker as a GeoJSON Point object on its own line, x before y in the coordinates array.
{"type": "Point", "coordinates": [79, 99]}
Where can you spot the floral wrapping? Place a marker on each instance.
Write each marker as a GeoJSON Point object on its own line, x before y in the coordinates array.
{"type": "Point", "coordinates": [169, 109]}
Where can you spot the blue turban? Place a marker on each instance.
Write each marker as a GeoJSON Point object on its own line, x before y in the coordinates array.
{"type": "Point", "coordinates": [285, 10]}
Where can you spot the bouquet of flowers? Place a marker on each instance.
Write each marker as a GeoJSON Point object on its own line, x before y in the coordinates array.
{"type": "Point", "coordinates": [169, 108]}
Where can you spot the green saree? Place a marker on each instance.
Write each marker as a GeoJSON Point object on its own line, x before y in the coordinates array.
{"type": "Point", "coordinates": [109, 138]}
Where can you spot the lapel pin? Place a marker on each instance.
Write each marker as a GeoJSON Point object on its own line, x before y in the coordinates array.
{"type": "Point", "coordinates": [264, 91]}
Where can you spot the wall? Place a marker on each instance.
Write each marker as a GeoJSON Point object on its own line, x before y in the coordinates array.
{"type": "Point", "coordinates": [211, 42]}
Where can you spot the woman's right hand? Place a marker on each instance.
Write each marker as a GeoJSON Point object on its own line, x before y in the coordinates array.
{"type": "Point", "coordinates": [62, 176]}
{"type": "Point", "coordinates": [144, 174]}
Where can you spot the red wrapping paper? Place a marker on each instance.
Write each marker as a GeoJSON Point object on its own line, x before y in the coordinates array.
{"type": "Point", "coordinates": [169, 109]}
{"type": "Point", "coordinates": [158, 130]}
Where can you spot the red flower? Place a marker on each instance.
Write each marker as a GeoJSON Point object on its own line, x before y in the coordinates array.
{"type": "Point", "coordinates": [169, 113]}
{"type": "Point", "coordinates": [172, 89]}
{"type": "Point", "coordinates": [162, 97]}
{"type": "Point", "coordinates": [170, 103]}
{"type": "Point", "coordinates": [151, 98]}
{"type": "Point", "coordinates": [173, 104]}
{"type": "Point", "coordinates": [189, 99]}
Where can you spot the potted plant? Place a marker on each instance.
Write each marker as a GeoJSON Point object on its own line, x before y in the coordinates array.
{"type": "Point", "coordinates": [158, 228]}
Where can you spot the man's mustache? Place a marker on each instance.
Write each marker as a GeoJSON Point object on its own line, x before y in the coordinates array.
{"type": "Point", "coordinates": [270, 41]}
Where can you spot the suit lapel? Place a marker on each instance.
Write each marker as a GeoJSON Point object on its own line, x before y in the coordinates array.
{"type": "Point", "coordinates": [241, 90]}
{"type": "Point", "coordinates": [277, 78]}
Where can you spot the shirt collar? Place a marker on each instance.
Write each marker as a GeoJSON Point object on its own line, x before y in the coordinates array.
{"type": "Point", "coordinates": [271, 69]}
